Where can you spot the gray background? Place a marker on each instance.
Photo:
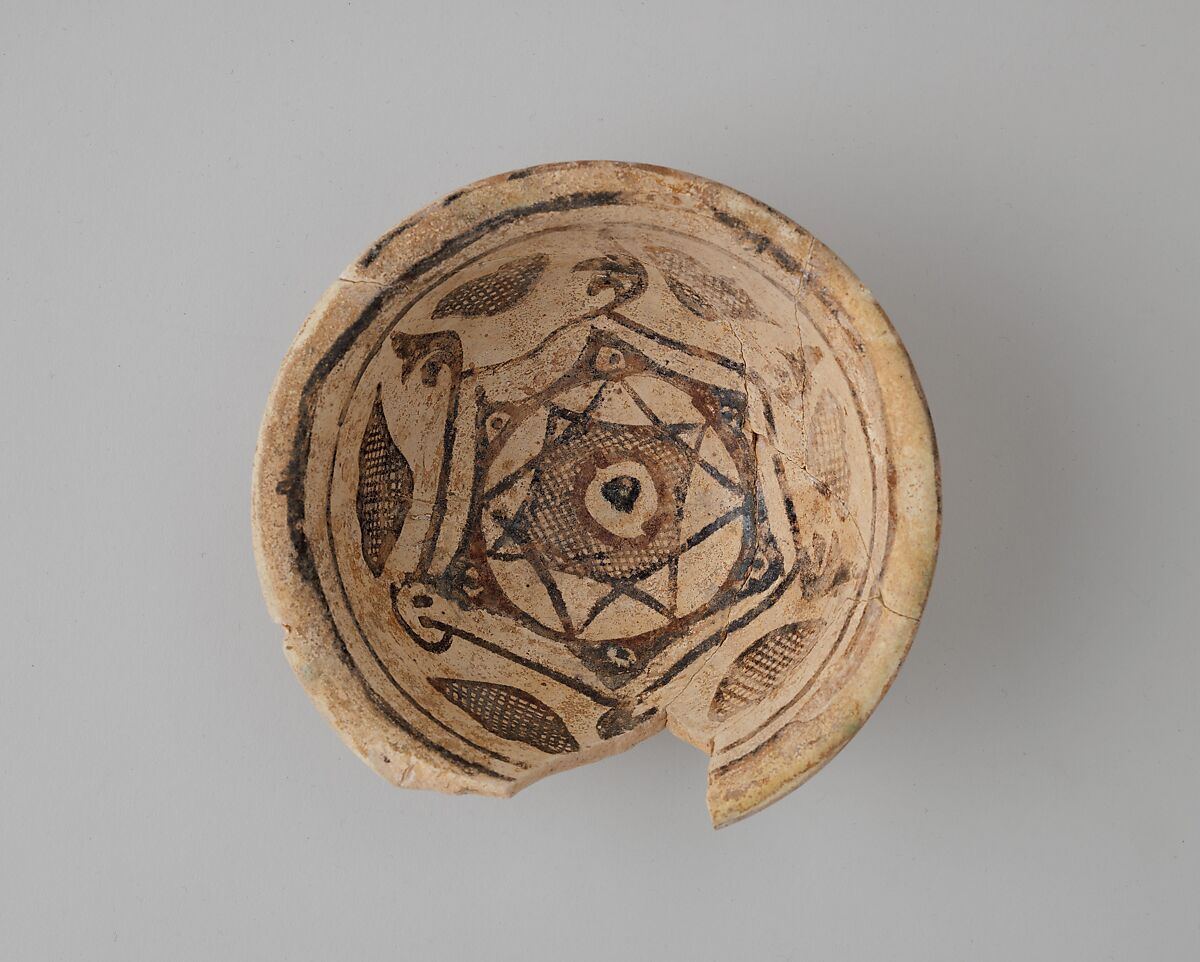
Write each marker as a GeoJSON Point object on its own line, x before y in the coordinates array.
{"type": "Point", "coordinates": [1016, 182]}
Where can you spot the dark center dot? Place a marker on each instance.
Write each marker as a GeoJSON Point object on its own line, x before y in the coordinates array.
{"type": "Point", "coordinates": [621, 492]}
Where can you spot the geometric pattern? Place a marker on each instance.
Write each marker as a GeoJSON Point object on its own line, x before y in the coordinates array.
{"type": "Point", "coordinates": [385, 487]}
{"type": "Point", "coordinates": [494, 293]}
{"type": "Point", "coordinates": [509, 713]}
{"type": "Point", "coordinates": [827, 448]}
{"type": "Point", "coordinates": [560, 529]}
{"type": "Point", "coordinates": [756, 672]}
{"type": "Point", "coordinates": [705, 295]}
{"type": "Point", "coordinates": [600, 512]}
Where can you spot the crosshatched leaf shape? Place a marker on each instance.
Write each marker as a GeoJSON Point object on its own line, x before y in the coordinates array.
{"type": "Point", "coordinates": [706, 295]}
{"type": "Point", "coordinates": [760, 670]}
{"type": "Point", "coordinates": [494, 293]}
{"type": "Point", "coordinates": [827, 448]}
{"type": "Point", "coordinates": [385, 487]}
{"type": "Point", "coordinates": [510, 713]}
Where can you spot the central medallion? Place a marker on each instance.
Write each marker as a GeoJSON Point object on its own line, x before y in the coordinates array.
{"type": "Point", "coordinates": [618, 504]}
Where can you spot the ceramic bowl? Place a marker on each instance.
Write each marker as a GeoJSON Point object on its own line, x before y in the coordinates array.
{"type": "Point", "coordinates": [586, 450]}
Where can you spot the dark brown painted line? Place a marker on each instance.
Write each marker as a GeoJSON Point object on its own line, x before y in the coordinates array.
{"type": "Point", "coordinates": [651, 335]}
{"type": "Point", "coordinates": [400, 688]}
{"type": "Point", "coordinates": [438, 514]}
{"type": "Point", "coordinates": [795, 699]}
{"type": "Point", "coordinates": [762, 243]}
{"type": "Point", "coordinates": [398, 720]}
{"type": "Point", "coordinates": [538, 563]}
{"type": "Point", "coordinates": [451, 246]}
{"type": "Point", "coordinates": [714, 639]}
{"type": "Point", "coordinates": [572, 683]}
{"type": "Point", "coordinates": [715, 525]}
{"type": "Point", "coordinates": [433, 718]}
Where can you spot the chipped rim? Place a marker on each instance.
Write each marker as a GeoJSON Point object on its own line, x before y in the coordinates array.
{"type": "Point", "coordinates": [293, 594]}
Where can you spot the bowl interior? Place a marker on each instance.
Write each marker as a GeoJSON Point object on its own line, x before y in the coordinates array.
{"type": "Point", "coordinates": [599, 470]}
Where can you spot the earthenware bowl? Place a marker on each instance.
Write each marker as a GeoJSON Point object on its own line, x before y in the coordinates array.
{"type": "Point", "coordinates": [583, 451]}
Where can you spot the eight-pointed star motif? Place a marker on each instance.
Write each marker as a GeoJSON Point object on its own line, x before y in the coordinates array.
{"type": "Point", "coordinates": [622, 487]}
